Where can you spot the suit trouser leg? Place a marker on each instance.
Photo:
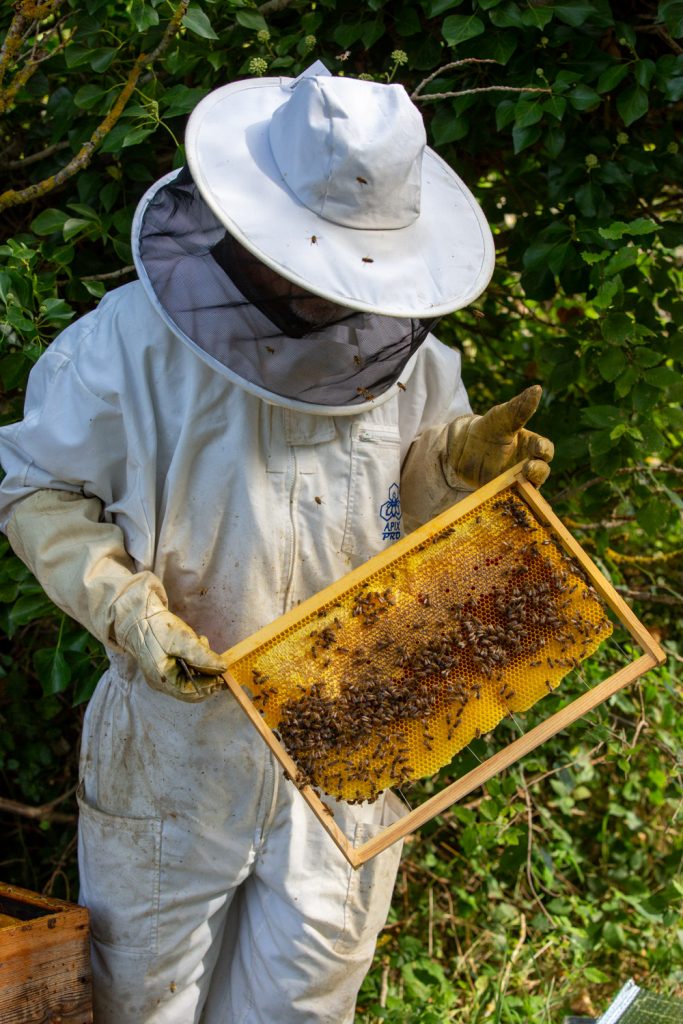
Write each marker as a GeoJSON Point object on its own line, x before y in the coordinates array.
{"type": "Point", "coordinates": [181, 807]}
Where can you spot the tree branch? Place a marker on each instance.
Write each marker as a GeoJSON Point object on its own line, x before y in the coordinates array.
{"type": "Point", "coordinates": [662, 468]}
{"type": "Point", "coordinates": [12, 41]}
{"type": "Point", "coordinates": [35, 158]}
{"type": "Point", "coordinates": [82, 159]}
{"type": "Point", "coordinates": [110, 275]}
{"type": "Point", "coordinates": [449, 67]}
{"type": "Point", "coordinates": [417, 97]}
{"type": "Point", "coordinates": [483, 88]}
{"type": "Point", "coordinates": [649, 595]}
{"type": "Point", "coordinates": [25, 23]}
{"type": "Point", "coordinates": [43, 813]}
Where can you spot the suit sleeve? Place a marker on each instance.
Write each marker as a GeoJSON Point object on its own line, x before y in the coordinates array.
{"type": "Point", "coordinates": [73, 436]}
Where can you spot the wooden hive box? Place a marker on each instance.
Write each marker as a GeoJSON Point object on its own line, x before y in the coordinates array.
{"type": "Point", "coordinates": [44, 960]}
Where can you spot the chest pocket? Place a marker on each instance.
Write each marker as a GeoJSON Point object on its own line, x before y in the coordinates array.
{"type": "Point", "coordinates": [373, 517]}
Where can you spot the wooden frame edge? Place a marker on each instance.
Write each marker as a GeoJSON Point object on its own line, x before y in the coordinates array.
{"type": "Point", "coordinates": [654, 655]}
{"type": "Point", "coordinates": [291, 770]}
{"type": "Point", "coordinates": [504, 758]}
{"type": "Point", "coordinates": [607, 592]}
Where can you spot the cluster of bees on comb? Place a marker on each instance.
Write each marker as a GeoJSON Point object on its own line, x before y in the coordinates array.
{"type": "Point", "coordinates": [386, 683]}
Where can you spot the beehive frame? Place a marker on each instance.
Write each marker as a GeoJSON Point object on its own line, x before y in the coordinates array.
{"type": "Point", "coordinates": [652, 655]}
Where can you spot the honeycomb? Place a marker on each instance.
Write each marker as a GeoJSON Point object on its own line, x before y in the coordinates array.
{"type": "Point", "coordinates": [386, 682]}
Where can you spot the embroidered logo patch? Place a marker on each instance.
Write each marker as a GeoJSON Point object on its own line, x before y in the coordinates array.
{"type": "Point", "coordinates": [390, 512]}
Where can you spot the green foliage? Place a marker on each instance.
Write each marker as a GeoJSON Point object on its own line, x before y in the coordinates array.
{"type": "Point", "coordinates": [581, 185]}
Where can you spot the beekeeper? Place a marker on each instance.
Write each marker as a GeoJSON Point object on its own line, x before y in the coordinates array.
{"type": "Point", "coordinates": [260, 412]}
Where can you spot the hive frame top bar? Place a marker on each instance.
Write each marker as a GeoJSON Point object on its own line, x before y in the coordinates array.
{"type": "Point", "coordinates": [653, 655]}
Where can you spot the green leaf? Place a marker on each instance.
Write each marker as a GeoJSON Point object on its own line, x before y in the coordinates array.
{"type": "Point", "coordinates": [556, 106]}
{"type": "Point", "coordinates": [600, 443]}
{"type": "Point", "coordinates": [671, 13]}
{"type": "Point", "coordinates": [652, 514]}
{"type": "Point", "coordinates": [438, 7]}
{"type": "Point", "coordinates": [76, 226]}
{"type": "Point", "coordinates": [589, 198]}
{"type": "Point", "coordinates": [56, 311]}
{"type": "Point", "coordinates": [523, 137]}
{"type": "Point", "coordinates": [249, 18]}
{"type": "Point", "coordinates": [407, 22]}
{"type": "Point", "coordinates": [136, 135]}
{"type": "Point", "coordinates": [616, 327]}
{"type": "Point", "coordinates": [506, 16]}
{"type": "Point", "coordinates": [89, 96]}
{"type": "Point", "coordinates": [346, 35]}
{"type": "Point", "coordinates": [611, 77]}
{"type": "Point", "coordinates": [611, 364]}
{"type": "Point", "coordinates": [624, 429]}
{"type": "Point", "coordinates": [582, 97]}
{"type": "Point", "coordinates": [180, 100]}
{"type": "Point", "coordinates": [102, 58]}
{"type": "Point", "coordinates": [644, 71]}
{"type": "Point", "coordinates": [596, 976]}
{"type": "Point", "coordinates": [527, 112]}
{"type": "Point", "coordinates": [27, 609]}
{"type": "Point", "coordinates": [607, 293]}
{"type": "Point", "coordinates": [674, 416]}
{"type": "Point", "coordinates": [644, 397]}
{"type": "Point", "coordinates": [372, 31]}
{"type": "Point", "coordinates": [574, 14]}
{"type": "Point", "coordinates": [143, 15]}
{"type": "Point", "coordinates": [646, 357]}
{"type": "Point", "coordinates": [497, 46]}
{"type": "Point", "coordinates": [639, 226]}
{"type": "Point", "coordinates": [632, 104]}
{"type": "Point", "coordinates": [625, 381]}
{"type": "Point", "coordinates": [554, 141]}
{"type": "Point", "coordinates": [457, 28]}
{"type": "Point", "coordinates": [53, 671]}
{"type": "Point", "coordinates": [447, 127]}
{"type": "Point", "coordinates": [196, 20]}
{"type": "Point", "coordinates": [49, 221]}
{"type": "Point", "coordinates": [594, 257]}
{"type": "Point", "coordinates": [662, 377]}
{"type": "Point", "coordinates": [601, 417]}
{"type": "Point", "coordinates": [505, 114]}
{"type": "Point", "coordinates": [95, 288]}
{"type": "Point", "coordinates": [537, 17]}
{"type": "Point", "coordinates": [549, 251]}
{"type": "Point", "coordinates": [621, 259]}
{"type": "Point", "coordinates": [76, 56]}
{"type": "Point", "coordinates": [611, 173]}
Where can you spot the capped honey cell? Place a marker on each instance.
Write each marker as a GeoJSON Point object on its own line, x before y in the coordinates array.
{"type": "Point", "coordinates": [384, 684]}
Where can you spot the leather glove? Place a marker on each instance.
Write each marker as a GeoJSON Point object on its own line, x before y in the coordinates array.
{"type": "Point", "coordinates": [83, 566]}
{"type": "Point", "coordinates": [478, 448]}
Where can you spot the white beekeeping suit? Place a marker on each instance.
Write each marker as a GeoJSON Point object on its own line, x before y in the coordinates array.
{"type": "Point", "coordinates": [262, 411]}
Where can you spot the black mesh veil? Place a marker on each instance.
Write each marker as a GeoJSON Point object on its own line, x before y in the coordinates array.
{"type": "Point", "coordinates": [262, 327]}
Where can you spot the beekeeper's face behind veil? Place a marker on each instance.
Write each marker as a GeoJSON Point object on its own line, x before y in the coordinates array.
{"type": "Point", "coordinates": [312, 241]}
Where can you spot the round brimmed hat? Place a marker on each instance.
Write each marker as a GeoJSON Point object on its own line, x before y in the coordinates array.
{"type": "Point", "coordinates": [329, 182]}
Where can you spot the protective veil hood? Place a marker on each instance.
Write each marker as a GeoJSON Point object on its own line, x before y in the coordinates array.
{"type": "Point", "coordinates": [342, 368]}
